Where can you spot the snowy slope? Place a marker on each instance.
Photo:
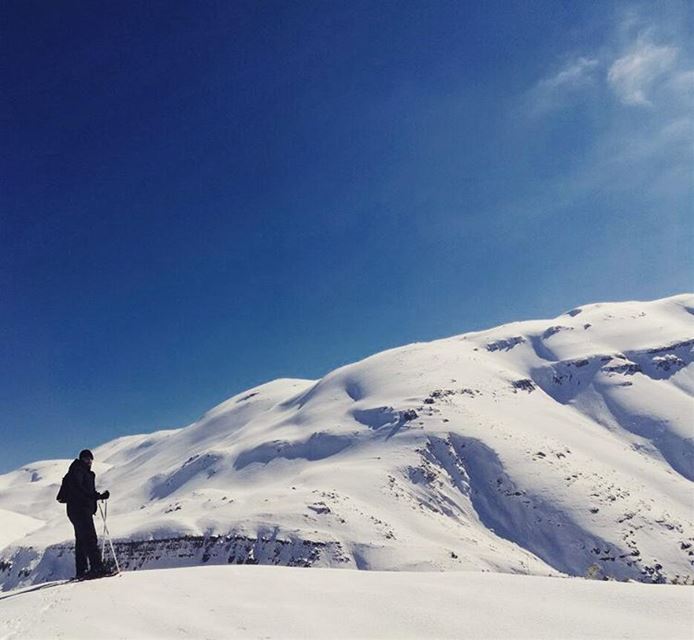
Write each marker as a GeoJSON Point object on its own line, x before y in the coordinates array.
{"type": "Point", "coordinates": [279, 602]}
{"type": "Point", "coordinates": [543, 447]}
{"type": "Point", "coordinates": [15, 525]}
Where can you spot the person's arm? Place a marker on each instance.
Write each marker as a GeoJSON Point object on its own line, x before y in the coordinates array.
{"type": "Point", "coordinates": [99, 496]}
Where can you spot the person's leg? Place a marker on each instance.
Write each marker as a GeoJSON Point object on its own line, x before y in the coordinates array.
{"type": "Point", "coordinates": [80, 548]}
{"type": "Point", "coordinates": [92, 547]}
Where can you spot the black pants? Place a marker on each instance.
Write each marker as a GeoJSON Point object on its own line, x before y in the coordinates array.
{"type": "Point", "coordinates": [86, 544]}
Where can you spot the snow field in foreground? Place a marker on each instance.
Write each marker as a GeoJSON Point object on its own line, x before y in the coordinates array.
{"type": "Point", "coordinates": [280, 602]}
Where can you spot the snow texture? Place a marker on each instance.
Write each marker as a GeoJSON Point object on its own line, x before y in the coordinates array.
{"type": "Point", "coordinates": [277, 602]}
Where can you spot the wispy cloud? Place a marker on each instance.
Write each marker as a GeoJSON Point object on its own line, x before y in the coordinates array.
{"type": "Point", "coordinates": [556, 90]}
{"type": "Point", "coordinates": [577, 74]}
{"type": "Point", "coordinates": [638, 66]}
{"type": "Point", "coordinates": [632, 75]}
{"type": "Point", "coordinates": [639, 84]}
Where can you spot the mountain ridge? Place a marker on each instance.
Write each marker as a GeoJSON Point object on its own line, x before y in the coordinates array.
{"type": "Point", "coordinates": [541, 446]}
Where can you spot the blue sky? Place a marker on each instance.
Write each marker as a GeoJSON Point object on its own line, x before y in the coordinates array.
{"type": "Point", "coordinates": [199, 197]}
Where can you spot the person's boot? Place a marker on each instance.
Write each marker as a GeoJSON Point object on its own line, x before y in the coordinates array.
{"type": "Point", "coordinates": [95, 571]}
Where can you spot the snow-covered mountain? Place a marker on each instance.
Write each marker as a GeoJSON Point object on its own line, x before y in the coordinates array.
{"type": "Point", "coordinates": [542, 447]}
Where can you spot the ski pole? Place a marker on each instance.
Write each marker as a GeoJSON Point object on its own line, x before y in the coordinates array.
{"type": "Point", "coordinates": [103, 537]}
{"type": "Point", "coordinates": [108, 536]}
{"type": "Point", "coordinates": [104, 513]}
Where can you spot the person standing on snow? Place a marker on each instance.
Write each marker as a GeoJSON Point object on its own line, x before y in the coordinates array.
{"type": "Point", "coordinates": [79, 492]}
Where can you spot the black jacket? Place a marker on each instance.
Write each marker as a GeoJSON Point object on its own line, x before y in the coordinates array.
{"type": "Point", "coordinates": [78, 488]}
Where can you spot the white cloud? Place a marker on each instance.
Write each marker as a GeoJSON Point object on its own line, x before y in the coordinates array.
{"type": "Point", "coordinates": [632, 75]}
{"type": "Point", "coordinates": [576, 74]}
{"type": "Point", "coordinates": [553, 91]}
{"type": "Point", "coordinates": [628, 150]}
{"type": "Point", "coordinates": [645, 61]}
